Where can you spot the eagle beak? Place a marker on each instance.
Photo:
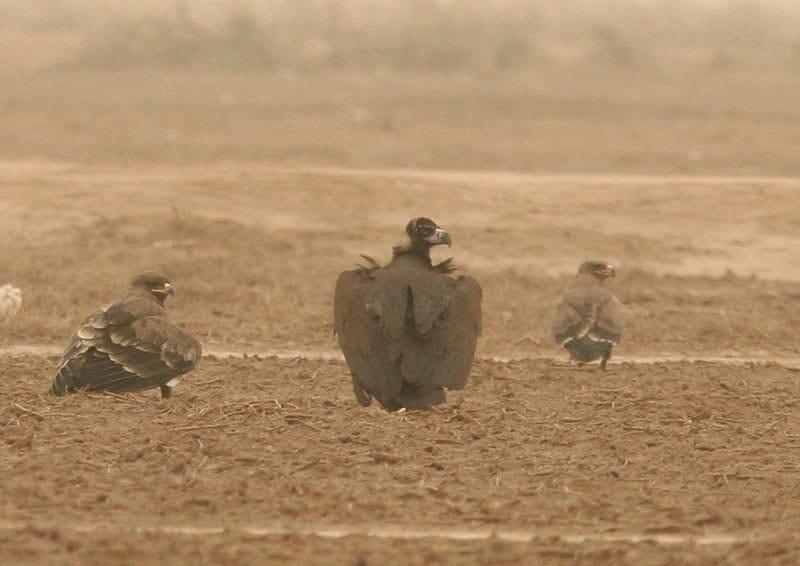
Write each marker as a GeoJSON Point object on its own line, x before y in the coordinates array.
{"type": "Point", "coordinates": [609, 271]}
{"type": "Point", "coordinates": [168, 289]}
{"type": "Point", "coordinates": [439, 237]}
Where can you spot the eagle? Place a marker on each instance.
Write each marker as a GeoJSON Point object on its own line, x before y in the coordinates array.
{"type": "Point", "coordinates": [128, 345]}
{"type": "Point", "coordinates": [408, 330]}
{"type": "Point", "coordinates": [589, 320]}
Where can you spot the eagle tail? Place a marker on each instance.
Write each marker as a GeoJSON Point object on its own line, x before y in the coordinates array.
{"type": "Point", "coordinates": [65, 379]}
{"type": "Point", "coordinates": [585, 349]}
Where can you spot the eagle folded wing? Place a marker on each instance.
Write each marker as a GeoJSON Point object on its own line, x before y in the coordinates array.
{"type": "Point", "coordinates": [126, 347]}
{"type": "Point", "coordinates": [573, 319]}
{"type": "Point", "coordinates": [610, 322]}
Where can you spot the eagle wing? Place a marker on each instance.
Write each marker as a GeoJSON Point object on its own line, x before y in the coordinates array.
{"type": "Point", "coordinates": [126, 346]}
{"type": "Point", "coordinates": [588, 311]}
{"type": "Point", "coordinates": [610, 322]}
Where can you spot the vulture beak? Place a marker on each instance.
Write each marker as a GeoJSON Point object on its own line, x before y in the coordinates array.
{"type": "Point", "coordinates": [439, 237]}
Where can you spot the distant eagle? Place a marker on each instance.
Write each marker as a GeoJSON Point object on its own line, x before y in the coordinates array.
{"type": "Point", "coordinates": [589, 320]}
{"type": "Point", "coordinates": [409, 329]}
{"type": "Point", "coordinates": [128, 345]}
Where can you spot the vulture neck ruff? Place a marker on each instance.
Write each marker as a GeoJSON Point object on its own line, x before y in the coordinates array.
{"type": "Point", "coordinates": [421, 250]}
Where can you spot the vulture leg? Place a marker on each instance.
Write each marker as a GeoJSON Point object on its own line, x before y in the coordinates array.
{"type": "Point", "coordinates": [364, 399]}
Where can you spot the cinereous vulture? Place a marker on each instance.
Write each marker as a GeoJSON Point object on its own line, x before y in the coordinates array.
{"type": "Point", "coordinates": [128, 345]}
{"type": "Point", "coordinates": [408, 330]}
{"type": "Point", "coordinates": [589, 320]}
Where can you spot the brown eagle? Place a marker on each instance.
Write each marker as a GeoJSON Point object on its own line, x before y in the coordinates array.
{"type": "Point", "coordinates": [128, 345]}
{"type": "Point", "coordinates": [589, 320]}
{"type": "Point", "coordinates": [409, 329]}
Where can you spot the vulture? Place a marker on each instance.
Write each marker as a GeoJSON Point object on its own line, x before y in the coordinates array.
{"type": "Point", "coordinates": [408, 329]}
{"type": "Point", "coordinates": [128, 345]}
{"type": "Point", "coordinates": [589, 319]}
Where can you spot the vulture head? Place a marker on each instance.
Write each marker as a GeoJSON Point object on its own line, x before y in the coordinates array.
{"type": "Point", "coordinates": [157, 286]}
{"type": "Point", "coordinates": [424, 233]}
{"type": "Point", "coordinates": [599, 269]}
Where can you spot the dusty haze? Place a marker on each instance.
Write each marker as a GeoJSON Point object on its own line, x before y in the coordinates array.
{"type": "Point", "coordinates": [559, 86]}
{"type": "Point", "coordinates": [252, 150]}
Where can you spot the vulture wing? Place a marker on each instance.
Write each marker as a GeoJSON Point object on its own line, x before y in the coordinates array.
{"type": "Point", "coordinates": [440, 352]}
{"type": "Point", "coordinates": [365, 347]}
{"type": "Point", "coordinates": [126, 346]}
{"type": "Point", "coordinates": [405, 324]}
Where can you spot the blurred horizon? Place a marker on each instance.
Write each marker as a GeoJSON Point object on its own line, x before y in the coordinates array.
{"type": "Point", "coordinates": [542, 85]}
{"type": "Point", "coordinates": [439, 35]}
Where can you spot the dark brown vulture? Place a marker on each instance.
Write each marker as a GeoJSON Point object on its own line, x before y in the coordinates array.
{"type": "Point", "coordinates": [128, 345]}
{"type": "Point", "coordinates": [589, 320]}
{"type": "Point", "coordinates": [408, 330]}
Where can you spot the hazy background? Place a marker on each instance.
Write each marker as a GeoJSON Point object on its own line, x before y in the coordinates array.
{"type": "Point", "coordinates": [662, 86]}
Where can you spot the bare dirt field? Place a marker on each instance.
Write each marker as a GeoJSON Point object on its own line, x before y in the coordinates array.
{"type": "Point", "coordinates": [706, 265]}
{"type": "Point", "coordinates": [699, 460]}
{"type": "Point", "coordinates": [270, 459]}
{"type": "Point", "coordinates": [252, 150]}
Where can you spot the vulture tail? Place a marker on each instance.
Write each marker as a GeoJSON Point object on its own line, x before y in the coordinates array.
{"type": "Point", "coordinates": [416, 398]}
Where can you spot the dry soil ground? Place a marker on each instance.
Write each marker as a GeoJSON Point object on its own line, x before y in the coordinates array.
{"type": "Point", "coordinates": [270, 458]}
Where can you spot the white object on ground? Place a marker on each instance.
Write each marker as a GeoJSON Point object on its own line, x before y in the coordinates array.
{"type": "Point", "coordinates": [10, 301]}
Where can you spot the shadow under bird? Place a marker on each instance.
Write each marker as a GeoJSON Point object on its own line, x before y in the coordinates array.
{"type": "Point", "coordinates": [589, 320]}
{"type": "Point", "coordinates": [128, 345]}
{"type": "Point", "coordinates": [408, 330]}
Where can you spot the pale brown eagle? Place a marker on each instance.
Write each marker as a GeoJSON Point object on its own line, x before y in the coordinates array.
{"type": "Point", "coordinates": [589, 320]}
{"type": "Point", "coordinates": [128, 345]}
